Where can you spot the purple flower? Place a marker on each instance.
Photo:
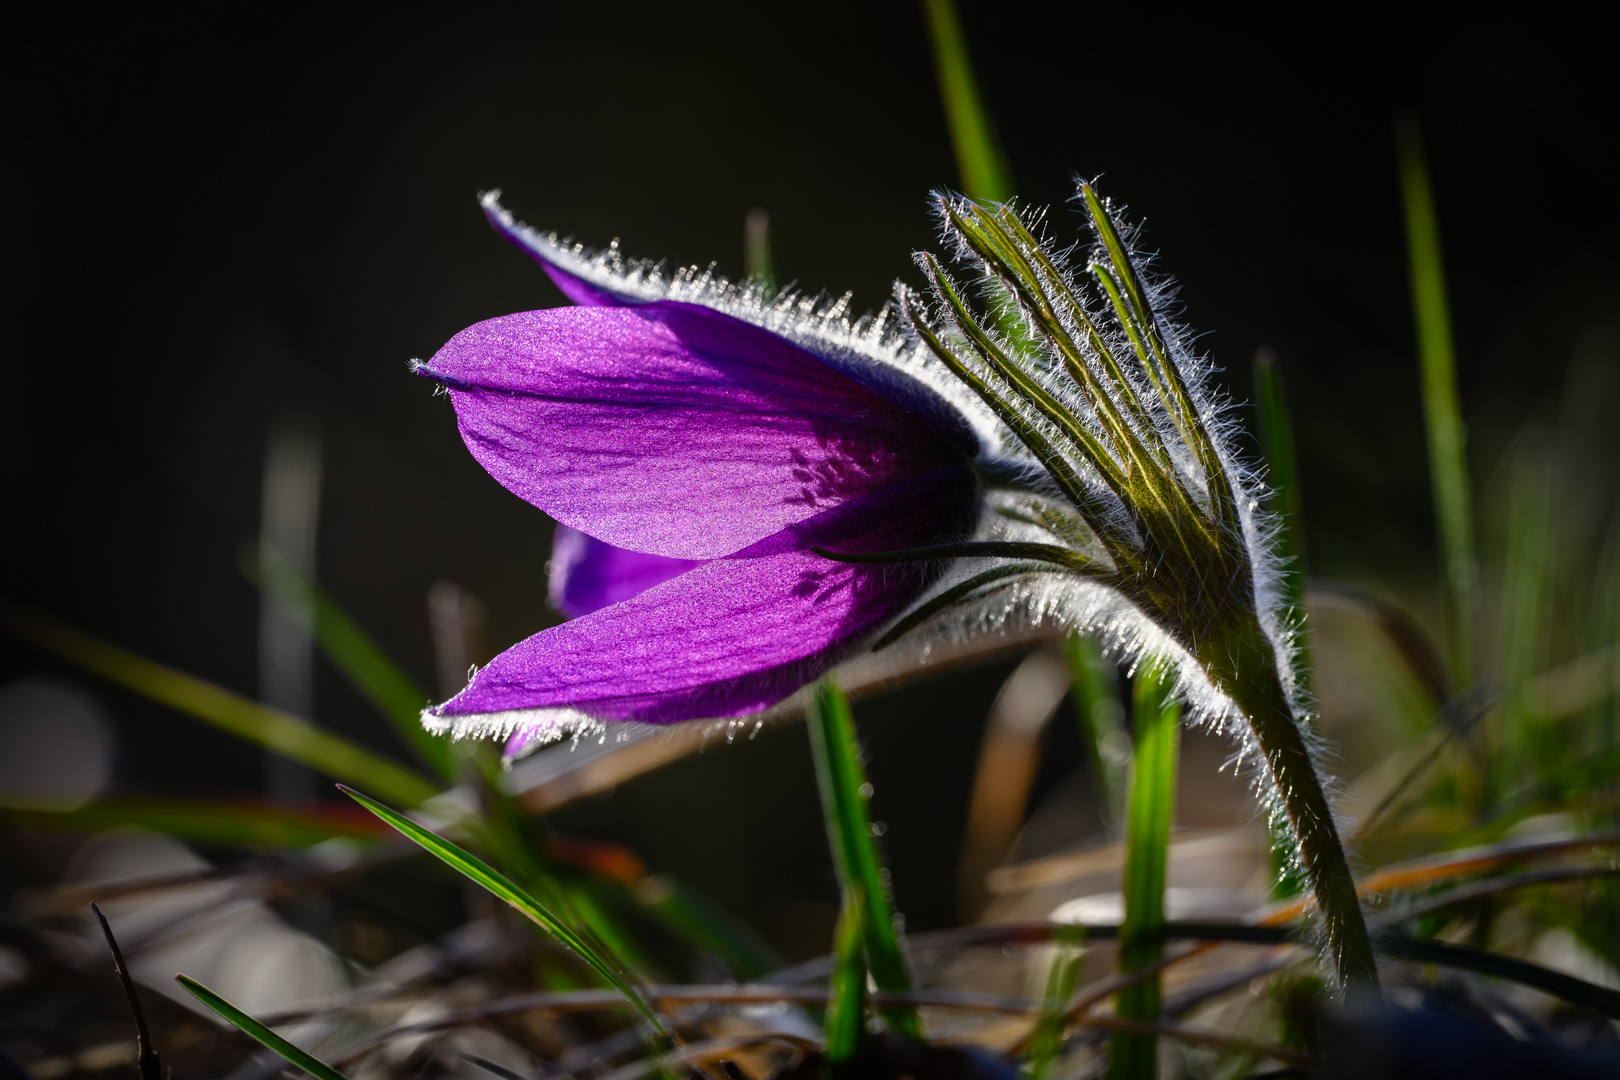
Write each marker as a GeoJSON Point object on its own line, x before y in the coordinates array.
{"type": "Point", "coordinates": [695, 445]}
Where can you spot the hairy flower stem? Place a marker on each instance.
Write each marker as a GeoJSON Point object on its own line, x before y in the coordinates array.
{"type": "Point", "coordinates": [1244, 667]}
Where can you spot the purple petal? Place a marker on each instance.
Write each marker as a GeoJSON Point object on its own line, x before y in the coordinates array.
{"type": "Point", "coordinates": [670, 428]}
{"type": "Point", "coordinates": [587, 574]}
{"type": "Point", "coordinates": [524, 239]}
{"type": "Point", "coordinates": [738, 634]}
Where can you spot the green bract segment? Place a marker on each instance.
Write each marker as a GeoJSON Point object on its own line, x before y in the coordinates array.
{"type": "Point", "coordinates": [1133, 502]}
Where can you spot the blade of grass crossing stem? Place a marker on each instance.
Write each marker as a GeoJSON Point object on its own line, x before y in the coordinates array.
{"type": "Point", "coordinates": [1098, 712]}
{"type": "Point", "coordinates": [481, 873]}
{"type": "Point", "coordinates": [1277, 444]}
{"type": "Point", "coordinates": [1147, 846]}
{"type": "Point", "coordinates": [1282, 473]}
{"type": "Point", "coordinates": [1046, 1041]}
{"type": "Point", "coordinates": [303, 1060]}
{"type": "Point", "coordinates": [980, 162]}
{"type": "Point", "coordinates": [272, 729]}
{"type": "Point", "coordinates": [362, 661]}
{"type": "Point", "coordinates": [982, 165]}
{"type": "Point", "coordinates": [846, 999]}
{"type": "Point", "coordinates": [844, 795]}
{"type": "Point", "coordinates": [1448, 462]}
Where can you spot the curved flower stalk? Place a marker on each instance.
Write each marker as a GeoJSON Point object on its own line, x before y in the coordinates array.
{"type": "Point", "coordinates": [1133, 506]}
{"type": "Point", "coordinates": [698, 445]}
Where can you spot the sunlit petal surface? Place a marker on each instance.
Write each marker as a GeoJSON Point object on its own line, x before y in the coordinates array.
{"type": "Point", "coordinates": [672, 429]}
{"type": "Point", "coordinates": [731, 636]}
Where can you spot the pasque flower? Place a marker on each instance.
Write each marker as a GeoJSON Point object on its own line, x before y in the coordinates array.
{"type": "Point", "coordinates": [698, 444]}
{"type": "Point", "coordinates": [760, 487]}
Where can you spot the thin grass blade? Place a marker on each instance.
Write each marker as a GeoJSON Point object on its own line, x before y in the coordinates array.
{"type": "Point", "coordinates": [147, 1062]}
{"type": "Point", "coordinates": [363, 662]}
{"type": "Point", "coordinates": [979, 159]}
{"type": "Point", "coordinates": [1046, 1041]}
{"type": "Point", "coordinates": [1098, 712]}
{"type": "Point", "coordinates": [1147, 846]}
{"type": "Point", "coordinates": [1448, 460]}
{"type": "Point", "coordinates": [844, 796]}
{"type": "Point", "coordinates": [1282, 473]}
{"type": "Point", "coordinates": [272, 729]}
{"type": "Point", "coordinates": [758, 264]}
{"type": "Point", "coordinates": [1528, 745]}
{"type": "Point", "coordinates": [498, 885]}
{"type": "Point", "coordinates": [846, 1001]}
{"type": "Point", "coordinates": [249, 1026]}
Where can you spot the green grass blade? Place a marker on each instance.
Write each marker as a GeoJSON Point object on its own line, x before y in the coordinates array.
{"type": "Point", "coordinates": [1098, 712]}
{"type": "Point", "coordinates": [1448, 461]}
{"type": "Point", "coordinates": [511, 838]}
{"type": "Point", "coordinates": [846, 1001]}
{"type": "Point", "coordinates": [1282, 473]}
{"type": "Point", "coordinates": [844, 795]}
{"type": "Point", "coordinates": [1046, 1041]}
{"type": "Point", "coordinates": [1147, 848]}
{"type": "Point", "coordinates": [985, 175]}
{"type": "Point", "coordinates": [272, 729]}
{"type": "Point", "coordinates": [482, 874]}
{"type": "Point", "coordinates": [235, 824]}
{"type": "Point", "coordinates": [1527, 742]}
{"type": "Point", "coordinates": [758, 265]}
{"type": "Point", "coordinates": [303, 1060]}
{"type": "Point", "coordinates": [378, 679]}
{"type": "Point", "coordinates": [1277, 445]}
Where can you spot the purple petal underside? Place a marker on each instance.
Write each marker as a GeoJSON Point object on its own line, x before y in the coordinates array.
{"type": "Point", "coordinates": [672, 429]}
{"type": "Point", "coordinates": [736, 635]}
{"type": "Point", "coordinates": [587, 574]}
{"type": "Point", "coordinates": [575, 288]}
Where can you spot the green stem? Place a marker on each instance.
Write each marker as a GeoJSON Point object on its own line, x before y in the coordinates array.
{"type": "Point", "coordinates": [844, 796]}
{"type": "Point", "coordinates": [1243, 666]}
{"type": "Point", "coordinates": [1147, 851]}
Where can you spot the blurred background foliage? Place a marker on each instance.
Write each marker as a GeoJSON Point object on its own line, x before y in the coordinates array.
{"type": "Point", "coordinates": [219, 221]}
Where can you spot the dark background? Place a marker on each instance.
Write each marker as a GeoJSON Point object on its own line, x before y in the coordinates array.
{"type": "Point", "coordinates": [216, 216]}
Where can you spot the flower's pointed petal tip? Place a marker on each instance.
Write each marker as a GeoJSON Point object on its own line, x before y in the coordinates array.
{"type": "Point", "coordinates": [731, 637]}
{"type": "Point", "coordinates": [426, 370]}
{"type": "Point", "coordinates": [567, 267]}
